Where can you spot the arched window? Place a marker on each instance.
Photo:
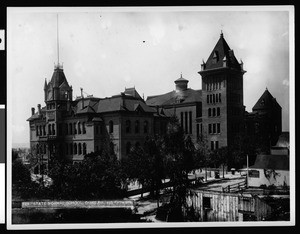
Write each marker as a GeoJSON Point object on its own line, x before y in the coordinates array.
{"type": "Point", "coordinates": [137, 126]}
{"type": "Point", "coordinates": [75, 148]}
{"type": "Point", "coordinates": [66, 129]}
{"type": "Point", "coordinates": [128, 126]}
{"type": "Point", "coordinates": [44, 130]}
{"type": "Point", "coordinates": [146, 126]}
{"type": "Point", "coordinates": [71, 148]}
{"type": "Point", "coordinates": [128, 147]}
{"type": "Point", "coordinates": [83, 128]}
{"type": "Point", "coordinates": [79, 149]}
{"type": "Point", "coordinates": [214, 111]}
{"type": "Point", "coordinates": [74, 127]}
{"type": "Point", "coordinates": [214, 98]}
{"type": "Point", "coordinates": [79, 128]}
{"type": "Point", "coordinates": [111, 126]}
{"type": "Point", "coordinates": [220, 98]}
{"type": "Point", "coordinates": [70, 129]}
{"type": "Point", "coordinates": [84, 148]}
{"type": "Point", "coordinates": [209, 112]}
{"type": "Point", "coordinates": [53, 129]}
{"type": "Point", "coordinates": [218, 111]}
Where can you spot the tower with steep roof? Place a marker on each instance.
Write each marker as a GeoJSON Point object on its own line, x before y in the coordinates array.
{"type": "Point", "coordinates": [222, 95]}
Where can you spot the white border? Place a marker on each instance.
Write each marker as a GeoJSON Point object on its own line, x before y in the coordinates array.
{"type": "Point", "coordinates": [290, 9]}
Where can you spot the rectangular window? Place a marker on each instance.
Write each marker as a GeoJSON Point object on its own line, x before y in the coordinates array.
{"type": "Point", "coordinates": [207, 98]}
{"type": "Point", "coordinates": [218, 128]}
{"type": "Point", "coordinates": [197, 129]}
{"type": "Point", "coordinates": [253, 173]}
{"type": "Point", "coordinates": [190, 123]}
{"type": "Point", "coordinates": [209, 128]}
{"type": "Point", "coordinates": [217, 145]}
{"type": "Point", "coordinates": [212, 145]}
{"type": "Point", "coordinates": [214, 128]}
{"type": "Point", "coordinates": [201, 128]}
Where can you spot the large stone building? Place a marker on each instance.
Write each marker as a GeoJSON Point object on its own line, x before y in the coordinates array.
{"type": "Point", "coordinates": [216, 111]}
{"type": "Point", "coordinates": [73, 128]}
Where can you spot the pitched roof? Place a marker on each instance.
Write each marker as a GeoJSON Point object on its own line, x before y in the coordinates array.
{"type": "Point", "coordinates": [283, 140]}
{"type": "Point", "coordinates": [276, 162]}
{"type": "Point", "coordinates": [58, 77]}
{"type": "Point", "coordinates": [173, 97]}
{"type": "Point", "coordinates": [266, 101]}
{"type": "Point", "coordinates": [37, 116]}
{"type": "Point", "coordinates": [132, 92]}
{"type": "Point", "coordinates": [220, 52]}
{"type": "Point", "coordinates": [122, 102]}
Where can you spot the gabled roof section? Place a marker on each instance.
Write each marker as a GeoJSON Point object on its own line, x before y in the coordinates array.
{"type": "Point", "coordinates": [276, 162]}
{"type": "Point", "coordinates": [122, 103]}
{"type": "Point", "coordinates": [265, 102]}
{"type": "Point", "coordinates": [185, 96]}
{"type": "Point", "coordinates": [132, 92]}
{"type": "Point", "coordinates": [220, 52]}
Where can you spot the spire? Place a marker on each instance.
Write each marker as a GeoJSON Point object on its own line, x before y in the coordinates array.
{"type": "Point", "coordinates": [58, 65]}
{"type": "Point", "coordinates": [45, 85]}
{"type": "Point", "coordinates": [220, 52]}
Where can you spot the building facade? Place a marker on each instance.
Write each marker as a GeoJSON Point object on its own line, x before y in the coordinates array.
{"type": "Point", "coordinates": [72, 128]}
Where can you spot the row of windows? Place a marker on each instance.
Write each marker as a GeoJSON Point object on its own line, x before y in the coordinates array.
{"type": "Point", "coordinates": [213, 98]}
{"type": "Point", "coordinates": [186, 122]}
{"type": "Point", "coordinates": [136, 126]}
{"type": "Point", "coordinates": [213, 86]}
{"type": "Point", "coordinates": [75, 148]}
{"type": "Point", "coordinates": [214, 128]}
{"type": "Point", "coordinates": [40, 130]}
{"type": "Point", "coordinates": [213, 112]}
{"type": "Point", "coordinates": [51, 106]}
{"type": "Point", "coordinates": [214, 145]}
{"type": "Point", "coordinates": [72, 128]}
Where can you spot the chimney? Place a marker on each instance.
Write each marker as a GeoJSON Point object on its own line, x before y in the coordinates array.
{"type": "Point", "coordinates": [32, 111]}
{"type": "Point", "coordinates": [39, 109]}
{"type": "Point", "coordinates": [82, 101]}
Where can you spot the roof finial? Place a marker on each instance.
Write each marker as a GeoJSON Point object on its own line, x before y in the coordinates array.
{"type": "Point", "coordinates": [181, 75]}
{"type": "Point", "coordinates": [221, 35]}
{"type": "Point", "coordinates": [266, 88]}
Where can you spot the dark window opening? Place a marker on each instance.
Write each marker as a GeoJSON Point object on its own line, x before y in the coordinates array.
{"type": "Point", "coordinates": [206, 202]}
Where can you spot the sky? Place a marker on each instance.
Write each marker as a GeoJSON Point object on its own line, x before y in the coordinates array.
{"type": "Point", "coordinates": [105, 50]}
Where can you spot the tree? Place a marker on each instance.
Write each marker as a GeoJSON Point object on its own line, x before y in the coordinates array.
{"type": "Point", "coordinates": [220, 157]}
{"type": "Point", "coordinates": [97, 176]}
{"type": "Point", "coordinates": [179, 151]}
{"type": "Point", "coordinates": [202, 154]}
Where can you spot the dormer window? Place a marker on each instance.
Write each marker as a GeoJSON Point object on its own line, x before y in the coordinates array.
{"type": "Point", "coordinates": [215, 57]}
